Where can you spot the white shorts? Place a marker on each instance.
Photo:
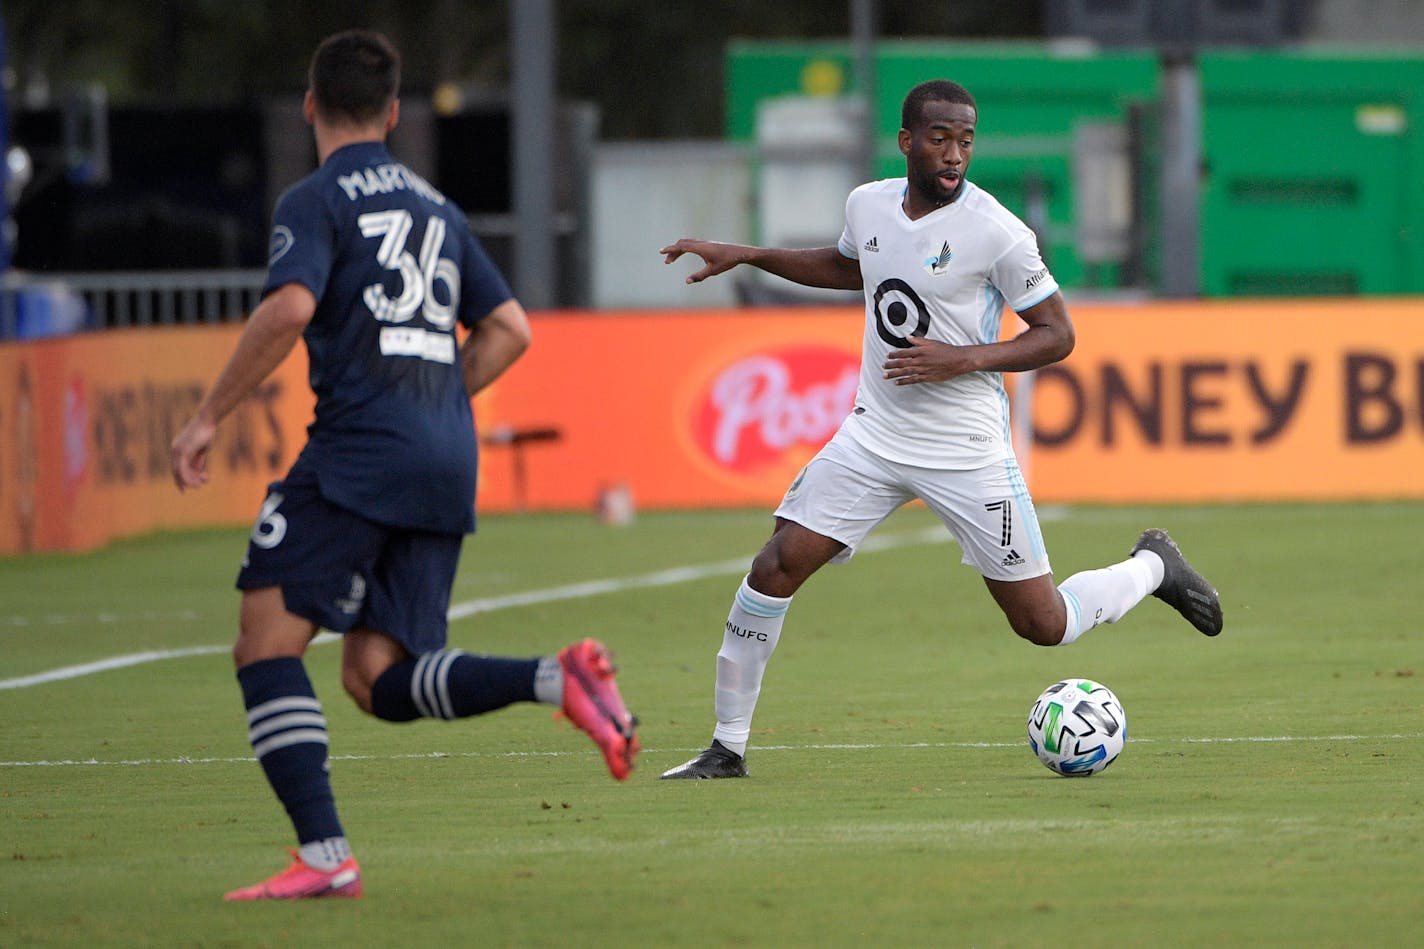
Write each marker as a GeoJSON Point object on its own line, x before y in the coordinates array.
{"type": "Point", "coordinates": [846, 491]}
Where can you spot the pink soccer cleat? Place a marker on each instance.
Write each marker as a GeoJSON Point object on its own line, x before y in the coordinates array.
{"type": "Point", "coordinates": [302, 882]}
{"type": "Point", "coordinates": [592, 702]}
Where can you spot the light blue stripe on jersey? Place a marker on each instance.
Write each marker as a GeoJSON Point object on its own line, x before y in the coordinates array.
{"type": "Point", "coordinates": [1025, 502]}
{"type": "Point", "coordinates": [990, 325]}
{"type": "Point", "coordinates": [1050, 292]}
{"type": "Point", "coordinates": [1008, 433]}
{"type": "Point", "coordinates": [991, 319]}
{"type": "Point", "coordinates": [759, 608]}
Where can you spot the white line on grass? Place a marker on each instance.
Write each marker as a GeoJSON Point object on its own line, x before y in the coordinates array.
{"type": "Point", "coordinates": [859, 746]}
{"type": "Point", "coordinates": [468, 608]}
{"type": "Point", "coordinates": [104, 665]}
{"type": "Point", "coordinates": [62, 619]}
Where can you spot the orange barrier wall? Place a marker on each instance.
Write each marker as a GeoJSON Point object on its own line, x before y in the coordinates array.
{"type": "Point", "coordinates": [688, 409]}
{"type": "Point", "coordinates": [85, 424]}
{"type": "Point", "coordinates": [1213, 401]}
{"type": "Point", "coordinates": [1159, 402]}
{"type": "Point", "coordinates": [1222, 401]}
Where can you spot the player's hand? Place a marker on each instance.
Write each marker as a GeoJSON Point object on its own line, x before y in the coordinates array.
{"type": "Point", "coordinates": [927, 360]}
{"type": "Point", "coordinates": [716, 257]}
{"type": "Point", "coordinates": [188, 456]}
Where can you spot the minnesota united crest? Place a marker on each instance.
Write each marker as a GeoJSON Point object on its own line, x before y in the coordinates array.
{"type": "Point", "coordinates": [939, 264]}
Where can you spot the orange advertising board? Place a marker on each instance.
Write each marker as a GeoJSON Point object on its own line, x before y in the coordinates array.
{"type": "Point", "coordinates": [1215, 401]}
{"type": "Point", "coordinates": [1200, 401]}
{"type": "Point", "coordinates": [85, 425]}
{"type": "Point", "coordinates": [689, 409]}
{"type": "Point", "coordinates": [1225, 401]}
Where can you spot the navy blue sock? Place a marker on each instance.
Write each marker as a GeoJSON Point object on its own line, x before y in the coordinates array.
{"type": "Point", "coordinates": [451, 684]}
{"type": "Point", "coordinates": [288, 735]}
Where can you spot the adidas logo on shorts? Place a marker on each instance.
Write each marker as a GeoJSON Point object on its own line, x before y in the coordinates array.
{"type": "Point", "coordinates": [1013, 559]}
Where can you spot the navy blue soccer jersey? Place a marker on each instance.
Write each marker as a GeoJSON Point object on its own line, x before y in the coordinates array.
{"type": "Point", "coordinates": [393, 266]}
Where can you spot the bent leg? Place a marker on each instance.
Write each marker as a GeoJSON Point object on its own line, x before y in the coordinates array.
{"type": "Point", "coordinates": [789, 557]}
{"type": "Point", "coordinates": [397, 663]}
{"type": "Point", "coordinates": [1049, 616]}
{"type": "Point", "coordinates": [366, 655]}
{"type": "Point", "coordinates": [1034, 608]}
{"type": "Point", "coordinates": [1105, 595]}
{"type": "Point", "coordinates": [387, 682]}
{"type": "Point", "coordinates": [448, 684]}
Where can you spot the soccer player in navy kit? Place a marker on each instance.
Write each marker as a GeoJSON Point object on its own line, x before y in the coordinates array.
{"type": "Point", "coordinates": [373, 267]}
{"type": "Point", "coordinates": [939, 259]}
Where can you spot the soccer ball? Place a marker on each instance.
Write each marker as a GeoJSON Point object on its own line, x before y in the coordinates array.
{"type": "Point", "coordinates": [1077, 727]}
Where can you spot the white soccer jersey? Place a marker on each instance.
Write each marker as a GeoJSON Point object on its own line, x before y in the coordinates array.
{"type": "Point", "coordinates": [946, 277]}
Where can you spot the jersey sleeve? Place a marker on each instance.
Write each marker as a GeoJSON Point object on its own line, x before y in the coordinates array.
{"type": "Point", "coordinates": [847, 245]}
{"type": "Point", "coordinates": [484, 286]}
{"type": "Point", "coordinates": [302, 242]}
{"type": "Point", "coordinates": [1021, 275]}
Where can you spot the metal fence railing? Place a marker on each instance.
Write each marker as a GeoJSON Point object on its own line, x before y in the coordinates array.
{"type": "Point", "coordinates": [34, 305]}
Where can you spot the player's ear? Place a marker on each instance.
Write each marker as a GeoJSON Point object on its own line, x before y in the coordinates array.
{"type": "Point", "coordinates": [309, 108]}
{"type": "Point", "coordinates": [904, 141]}
{"type": "Point", "coordinates": [393, 116]}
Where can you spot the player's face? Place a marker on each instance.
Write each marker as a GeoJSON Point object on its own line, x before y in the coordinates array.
{"type": "Point", "coordinates": [938, 150]}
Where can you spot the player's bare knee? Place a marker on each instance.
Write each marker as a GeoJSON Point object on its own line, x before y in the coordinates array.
{"type": "Point", "coordinates": [246, 651]}
{"type": "Point", "coordinates": [770, 575]}
{"type": "Point", "coordinates": [358, 688]}
{"type": "Point", "coordinates": [765, 578]}
{"type": "Point", "coordinates": [1040, 629]}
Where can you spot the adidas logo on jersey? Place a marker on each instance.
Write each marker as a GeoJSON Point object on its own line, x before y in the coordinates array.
{"type": "Point", "coordinates": [873, 246]}
{"type": "Point", "coordinates": [1013, 559]}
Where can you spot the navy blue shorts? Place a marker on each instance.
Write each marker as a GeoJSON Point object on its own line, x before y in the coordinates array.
{"type": "Point", "coordinates": [344, 572]}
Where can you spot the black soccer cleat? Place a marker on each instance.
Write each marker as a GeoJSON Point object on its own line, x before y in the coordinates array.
{"type": "Point", "coordinates": [718, 761]}
{"type": "Point", "coordinates": [1182, 588]}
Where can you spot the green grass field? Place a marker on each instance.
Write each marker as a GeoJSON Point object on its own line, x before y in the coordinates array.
{"type": "Point", "coordinates": [1271, 792]}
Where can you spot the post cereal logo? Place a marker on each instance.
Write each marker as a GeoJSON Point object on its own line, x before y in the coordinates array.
{"type": "Point", "coordinates": [774, 408]}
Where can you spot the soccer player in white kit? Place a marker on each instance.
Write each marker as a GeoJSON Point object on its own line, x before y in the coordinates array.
{"type": "Point", "coordinates": [938, 260]}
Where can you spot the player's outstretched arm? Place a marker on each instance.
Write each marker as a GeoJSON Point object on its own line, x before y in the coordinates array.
{"type": "Point", "coordinates": [271, 332]}
{"type": "Point", "coordinates": [812, 267]}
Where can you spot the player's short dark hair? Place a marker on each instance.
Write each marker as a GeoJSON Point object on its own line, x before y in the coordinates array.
{"type": "Point", "coordinates": [912, 113]}
{"type": "Point", "coordinates": [354, 76]}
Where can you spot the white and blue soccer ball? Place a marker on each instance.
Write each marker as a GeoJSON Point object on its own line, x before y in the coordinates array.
{"type": "Point", "coordinates": [1077, 727]}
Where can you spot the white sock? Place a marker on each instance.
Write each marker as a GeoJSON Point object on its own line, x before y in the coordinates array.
{"type": "Point", "coordinates": [1154, 563]}
{"type": "Point", "coordinates": [750, 636]}
{"type": "Point", "coordinates": [1101, 596]}
{"type": "Point", "coordinates": [326, 854]}
{"type": "Point", "coordinates": [549, 681]}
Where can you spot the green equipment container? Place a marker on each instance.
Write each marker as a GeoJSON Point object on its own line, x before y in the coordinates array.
{"type": "Point", "coordinates": [1032, 99]}
{"type": "Point", "coordinates": [1313, 173]}
{"type": "Point", "coordinates": [1312, 162]}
